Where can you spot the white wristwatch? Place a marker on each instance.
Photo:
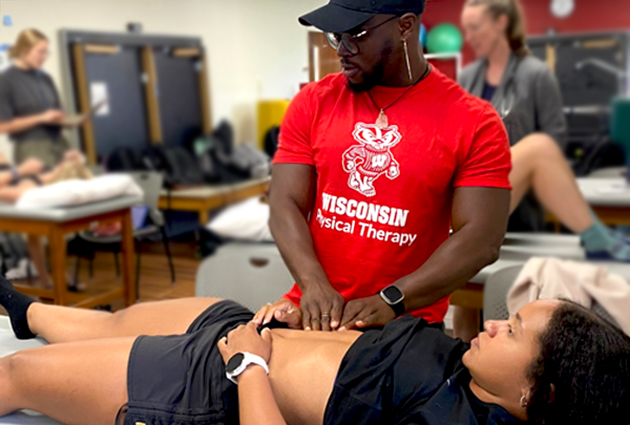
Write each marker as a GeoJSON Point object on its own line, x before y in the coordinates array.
{"type": "Point", "coordinates": [239, 362]}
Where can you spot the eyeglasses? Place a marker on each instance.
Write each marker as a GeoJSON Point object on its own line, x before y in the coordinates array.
{"type": "Point", "coordinates": [351, 41]}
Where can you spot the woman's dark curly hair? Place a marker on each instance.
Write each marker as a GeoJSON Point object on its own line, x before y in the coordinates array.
{"type": "Point", "coordinates": [582, 375]}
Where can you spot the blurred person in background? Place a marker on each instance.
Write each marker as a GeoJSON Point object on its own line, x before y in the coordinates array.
{"type": "Point", "coordinates": [30, 108]}
{"type": "Point", "coordinates": [526, 95]}
{"type": "Point", "coordinates": [30, 113]}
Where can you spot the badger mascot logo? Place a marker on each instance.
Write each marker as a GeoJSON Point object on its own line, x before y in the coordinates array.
{"type": "Point", "coordinates": [372, 158]}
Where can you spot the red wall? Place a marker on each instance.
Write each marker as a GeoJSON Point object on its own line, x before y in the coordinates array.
{"type": "Point", "coordinates": [588, 16]}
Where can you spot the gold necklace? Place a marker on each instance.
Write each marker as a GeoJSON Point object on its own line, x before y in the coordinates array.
{"type": "Point", "coordinates": [382, 121]}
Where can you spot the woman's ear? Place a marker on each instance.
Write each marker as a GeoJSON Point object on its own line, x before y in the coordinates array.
{"type": "Point", "coordinates": [502, 22]}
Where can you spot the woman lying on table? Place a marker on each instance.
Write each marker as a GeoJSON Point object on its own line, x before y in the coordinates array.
{"type": "Point", "coordinates": [165, 363]}
{"type": "Point", "coordinates": [15, 181]}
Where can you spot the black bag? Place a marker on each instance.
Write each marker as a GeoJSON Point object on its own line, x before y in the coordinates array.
{"type": "Point", "coordinates": [602, 154]}
{"type": "Point", "coordinates": [221, 162]}
{"type": "Point", "coordinates": [125, 159]}
{"type": "Point", "coordinates": [179, 167]}
{"type": "Point", "coordinates": [271, 141]}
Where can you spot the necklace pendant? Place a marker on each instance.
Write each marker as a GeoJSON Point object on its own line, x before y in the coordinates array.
{"type": "Point", "coordinates": [382, 121]}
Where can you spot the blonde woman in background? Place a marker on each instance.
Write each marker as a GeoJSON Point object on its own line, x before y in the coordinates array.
{"type": "Point", "coordinates": [525, 93]}
{"type": "Point", "coordinates": [30, 108]}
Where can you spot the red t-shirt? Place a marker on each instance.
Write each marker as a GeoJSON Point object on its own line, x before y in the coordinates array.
{"type": "Point", "coordinates": [384, 197]}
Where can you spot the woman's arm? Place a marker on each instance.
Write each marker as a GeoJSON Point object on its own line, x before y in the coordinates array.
{"type": "Point", "coordinates": [257, 405]}
{"type": "Point", "coordinates": [52, 116]}
{"type": "Point", "coordinates": [255, 398]}
{"type": "Point", "coordinates": [550, 118]}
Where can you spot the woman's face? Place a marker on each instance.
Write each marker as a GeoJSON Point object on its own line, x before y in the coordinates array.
{"type": "Point", "coordinates": [36, 57]}
{"type": "Point", "coordinates": [500, 356]}
{"type": "Point", "coordinates": [481, 31]}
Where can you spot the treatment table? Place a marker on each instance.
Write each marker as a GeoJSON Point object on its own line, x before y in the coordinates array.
{"type": "Point", "coordinates": [517, 249]}
{"type": "Point", "coordinates": [55, 224]}
{"type": "Point", "coordinates": [607, 195]}
{"type": "Point", "coordinates": [208, 198]}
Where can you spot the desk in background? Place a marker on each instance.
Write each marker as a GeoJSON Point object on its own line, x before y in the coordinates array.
{"type": "Point", "coordinates": [205, 199]}
{"type": "Point", "coordinates": [55, 224]}
{"type": "Point", "coordinates": [608, 196]}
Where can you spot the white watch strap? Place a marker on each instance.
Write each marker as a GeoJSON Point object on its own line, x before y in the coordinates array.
{"type": "Point", "coordinates": [248, 359]}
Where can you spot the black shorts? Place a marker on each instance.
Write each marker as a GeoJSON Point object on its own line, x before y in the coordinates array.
{"type": "Point", "coordinates": [180, 379]}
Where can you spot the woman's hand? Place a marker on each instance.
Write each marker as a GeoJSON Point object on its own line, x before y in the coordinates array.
{"type": "Point", "coordinates": [30, 166]}
{"type": "Point", "coordinates": [243, 339]}
{"type": "Point", "coordinates": [283, 311]}
{"type": "Point", "coordinates": [51, 116]}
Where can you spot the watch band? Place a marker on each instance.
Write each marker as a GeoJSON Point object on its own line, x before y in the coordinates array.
{"type": "Point", "coordinates": [399, 308]}
{"type": "Point", "coordinates": [248, 359]}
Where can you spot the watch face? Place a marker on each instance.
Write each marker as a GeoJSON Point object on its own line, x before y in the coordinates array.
{"type": "Point", "coordinates": [234, 362]}
{"type": "Point", "coordinates": [393, 294]}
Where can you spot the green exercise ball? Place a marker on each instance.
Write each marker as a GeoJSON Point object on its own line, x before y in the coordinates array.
{"type": "Point", "coordinates": [444, 38]}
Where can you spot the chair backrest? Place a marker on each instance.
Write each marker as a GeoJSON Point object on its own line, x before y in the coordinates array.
{"type": "Point", "coordinates": [151, 184]}
{"type": "Point", "coordinates": [495, 293]}
{"type": "Point", "coordinates": [252, 274]}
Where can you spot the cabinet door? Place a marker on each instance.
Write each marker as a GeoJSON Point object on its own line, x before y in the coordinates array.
{"type": "Point", "coordinates": [588, 70]}
{"type": "Point", "coordinates": [322, 58]}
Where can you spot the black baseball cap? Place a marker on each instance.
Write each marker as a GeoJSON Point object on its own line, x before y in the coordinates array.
{"type": "Point", "coordinates": [343, 15]}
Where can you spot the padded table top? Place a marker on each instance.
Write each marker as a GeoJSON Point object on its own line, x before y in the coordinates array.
{"type": "Point", "coordinates": [210, 191]}
{"type": "Point", "coordinates": [65, 214]}
{"type": "Point", "coordinates": [518, 248]}
{"type": "Point", "coordinates": [605, 192]}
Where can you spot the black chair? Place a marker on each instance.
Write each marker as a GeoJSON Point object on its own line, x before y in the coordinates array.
{"type": "Point", "coordinates": [151, 184]}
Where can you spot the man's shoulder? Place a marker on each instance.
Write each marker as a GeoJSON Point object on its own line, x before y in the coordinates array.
{"type": "Point", "coordinates": [456, 101]}
{"type": "Point", "coordinates": [328, 87]}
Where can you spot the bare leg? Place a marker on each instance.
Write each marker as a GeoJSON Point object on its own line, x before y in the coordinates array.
{"type": "Point", "coordinates": [74, 383]}
{"type": "Point", "coordinates": [465, 323]}
{"type": "Point", "coordinates": [38, 256]}
{"type": "Point", "coordinates": [64, 324]}
{"type": "Point", "coordinates": [538, 163]}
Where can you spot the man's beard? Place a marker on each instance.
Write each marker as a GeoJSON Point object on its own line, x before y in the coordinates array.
{"type": "Point", "coordinates": [377, 75]}
{"type": "Point", "coordinates": [369, 80]}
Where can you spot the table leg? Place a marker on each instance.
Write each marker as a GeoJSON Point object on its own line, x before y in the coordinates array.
{"type": "Point", "coordinates": [203, 217]}
{"type": "Point", "coordinates": [58, 252]}
{"type": "Point", "coordinates": [128, 260]}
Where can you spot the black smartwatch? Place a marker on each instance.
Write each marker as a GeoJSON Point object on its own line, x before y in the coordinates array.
{"type": "Point", "coordinates": [394, 298]}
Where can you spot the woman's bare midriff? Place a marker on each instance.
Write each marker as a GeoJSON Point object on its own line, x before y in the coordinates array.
{"type": "Point", "coordinates": [303, 368]}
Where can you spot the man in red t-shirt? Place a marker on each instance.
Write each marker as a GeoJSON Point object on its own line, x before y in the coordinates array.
{"type": "Point", "coordinates": [374, 166]}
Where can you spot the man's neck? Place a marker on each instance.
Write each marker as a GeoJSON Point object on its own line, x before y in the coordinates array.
{"type": "Point", "coordinates": [400, 75]}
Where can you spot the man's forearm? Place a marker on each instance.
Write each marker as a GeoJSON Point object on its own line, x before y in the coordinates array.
{"type": "Point", "coordinates": [293, 237]}
{"type": "Point", "coordinates": [450, 267]}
